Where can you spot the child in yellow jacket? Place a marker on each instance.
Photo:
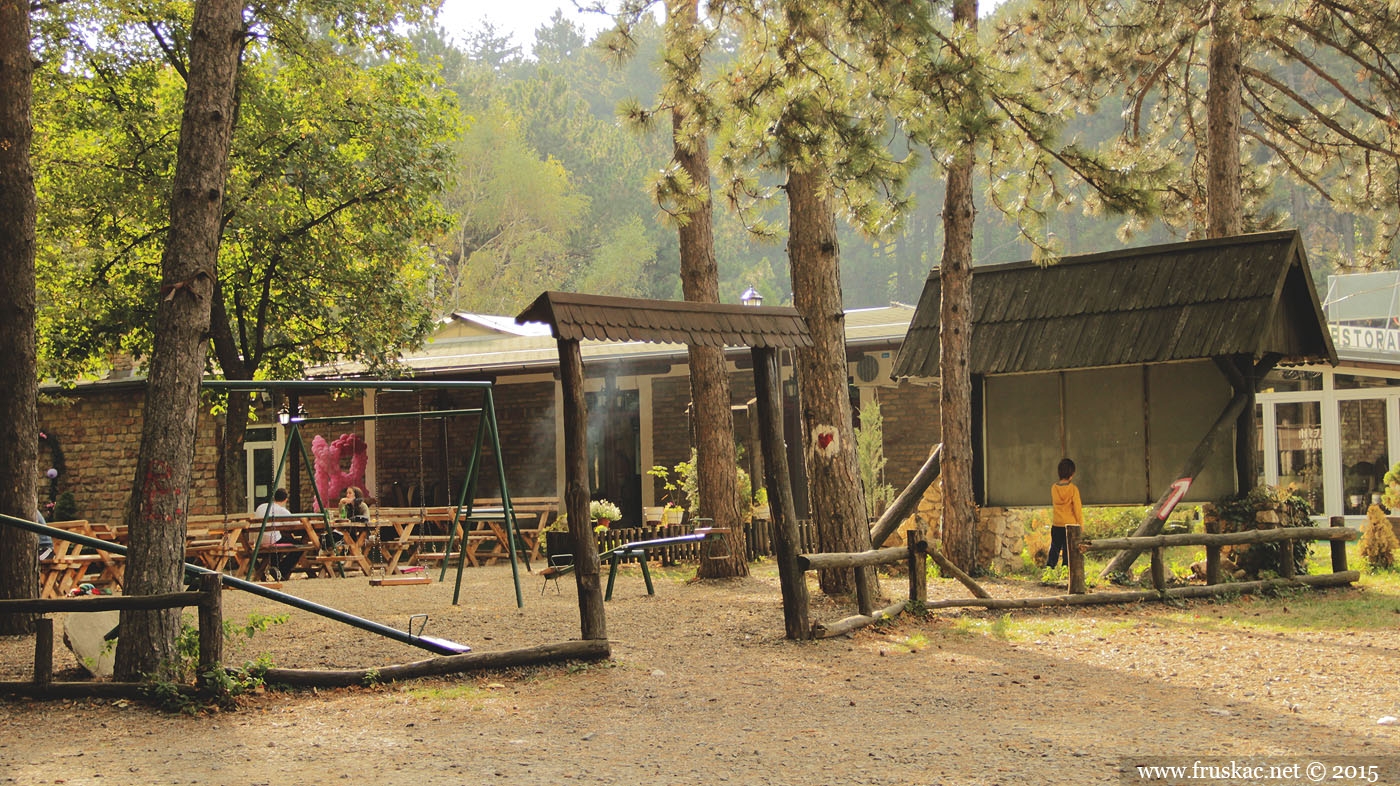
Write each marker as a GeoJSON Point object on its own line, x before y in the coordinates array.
{"type": "Point", "coordinates": [1068, 511]}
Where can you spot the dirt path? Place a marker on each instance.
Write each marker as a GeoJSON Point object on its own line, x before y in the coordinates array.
{"type": "Point", "coordinates": [703, 689]}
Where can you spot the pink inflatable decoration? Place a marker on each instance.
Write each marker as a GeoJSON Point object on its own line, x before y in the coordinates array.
{"type": "Point", "coordinates": [331, 480]}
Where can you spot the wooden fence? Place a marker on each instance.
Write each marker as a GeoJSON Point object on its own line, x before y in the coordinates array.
{"type": "Point", "coordinates": [209, 599]}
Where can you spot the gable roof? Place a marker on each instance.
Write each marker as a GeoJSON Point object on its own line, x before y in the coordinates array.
{"type": "Point", "coordinates": [600, 317]}
{"type": "Point", "coordinates": [1247, 295]}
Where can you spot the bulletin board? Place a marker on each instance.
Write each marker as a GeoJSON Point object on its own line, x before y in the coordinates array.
{"type": "Point", "coordinates": [1129, 429]}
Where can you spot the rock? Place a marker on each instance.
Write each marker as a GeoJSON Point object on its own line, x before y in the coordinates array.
{"type": "Point", "coordinates": [85, 633]}
{"type": "Point", "coordinates": [1388, 720]}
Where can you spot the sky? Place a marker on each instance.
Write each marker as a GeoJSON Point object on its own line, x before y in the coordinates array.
{"type": "Point", "coordinates": [520, 17]}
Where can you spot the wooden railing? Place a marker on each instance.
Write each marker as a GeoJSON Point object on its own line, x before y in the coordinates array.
{"type": "Point", "coordinates": [209, 599]}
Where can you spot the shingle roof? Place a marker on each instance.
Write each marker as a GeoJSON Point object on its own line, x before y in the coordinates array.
{"type": "Point", "coordinates": [1248, 295]}
{"type": "Point", "coordinates": [604, 318]}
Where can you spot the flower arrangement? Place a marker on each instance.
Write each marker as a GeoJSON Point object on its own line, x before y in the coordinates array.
{"type": "Point", "coordinates": [602, 509]}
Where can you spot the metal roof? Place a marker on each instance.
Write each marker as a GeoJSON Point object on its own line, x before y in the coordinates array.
{"type": "Point", "coordinates": [1248, 295]}
{"type": "Point", "coordinates": [604, 318]}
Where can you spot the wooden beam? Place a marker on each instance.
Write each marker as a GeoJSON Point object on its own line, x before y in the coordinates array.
{"type": "Point", "coordinates": [592, 620]}
{"type": "Point", "coordinates": [1138, 596]}
{"type": "Point", "coordinates": [842, 627]}
{"type": "Point", "coordinates": [778, 480]}
{"type": "Point", "coordinates": [590, 649]}
{"type": "Point", "coordinates": [908, 500]}
{"type": "Point", "coordinates": [1224, 538]}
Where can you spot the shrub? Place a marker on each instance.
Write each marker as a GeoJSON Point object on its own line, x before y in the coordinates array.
{"type": "Point", "coordinates": [1037, 539]}
{"type": "Point", "coordinates": [1378, 542]}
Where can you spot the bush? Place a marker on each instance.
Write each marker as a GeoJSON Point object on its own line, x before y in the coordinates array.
{"type": "Point", "coordinates": [1378, 542]}
{"type": "Point", "coordinates": [1111, 522]}
{"type": "Point", "coordinates": [1037, 539]}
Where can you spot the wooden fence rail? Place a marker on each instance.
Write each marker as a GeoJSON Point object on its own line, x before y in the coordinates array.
{"type": "Point", "coordinates": [209, 599]}
{"type": "Point", "coordinates": [1336, 533]}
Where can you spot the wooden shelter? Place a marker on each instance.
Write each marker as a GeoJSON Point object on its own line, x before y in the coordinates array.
{"type": "Point", "coordinates": [573, 317]}
{"type": "Point", "coordinates": [1121, 359]}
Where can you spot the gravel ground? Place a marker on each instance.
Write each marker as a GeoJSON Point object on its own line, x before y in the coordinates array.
{"type": "Point", "coordinates": [702, 688]}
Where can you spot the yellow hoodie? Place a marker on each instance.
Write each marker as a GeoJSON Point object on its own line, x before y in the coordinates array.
{"type": "Point", "coordinates": [1068, 510]}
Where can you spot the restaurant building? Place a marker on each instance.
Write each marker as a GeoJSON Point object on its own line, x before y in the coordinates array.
{"type": "Point", "coordinates": [1334, 432]}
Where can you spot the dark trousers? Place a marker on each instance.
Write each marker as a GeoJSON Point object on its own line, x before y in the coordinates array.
{"type": "Point", "coordinates": [1058, 552]}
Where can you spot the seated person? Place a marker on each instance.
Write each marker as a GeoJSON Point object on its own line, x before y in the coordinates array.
{"type": "Point", "coordinates": [353, 505]}
{"type": "Point", "coordinates": [273, 510]}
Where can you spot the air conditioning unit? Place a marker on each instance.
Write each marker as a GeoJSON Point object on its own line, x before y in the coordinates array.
{"type": "Point", "coordinates": [874, 368]}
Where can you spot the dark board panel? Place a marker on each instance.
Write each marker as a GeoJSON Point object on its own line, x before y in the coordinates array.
{"type": "Point", "coordinates": [1103, 413]}
{"type": "Point", "coordinates": [1022, 439]}
{"type": "Point", "coordinates": [1186, 400]}
{"type": "Point", "coordinates": [1104, 423]}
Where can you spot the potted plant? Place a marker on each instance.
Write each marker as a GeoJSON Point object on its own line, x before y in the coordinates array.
{"type": "Point", "coordinates": [603, 513]}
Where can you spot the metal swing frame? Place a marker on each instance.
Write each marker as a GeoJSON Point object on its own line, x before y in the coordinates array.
{"type": "Point", "coordinates": [463, 510]}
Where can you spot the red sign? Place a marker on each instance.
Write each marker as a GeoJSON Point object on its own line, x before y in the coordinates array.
{"type": "Point", "coordinates": [1178, 492]}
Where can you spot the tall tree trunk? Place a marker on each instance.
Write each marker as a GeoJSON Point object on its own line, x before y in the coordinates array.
{"type": "Point", "coordinates": [157, 511]}
{"type": "Point", "coordinates": [838, 502]}
{"type": "Point", "coordinates": [1224, 203]}
{"type": "Point", "coordinates": [232, 474]}
{"type": "Point", "coordinates": [955, 347]}
{"type": "Point", "coordinates": [19, 421]}
{"type": "Point", "coordinates": [709, 375]}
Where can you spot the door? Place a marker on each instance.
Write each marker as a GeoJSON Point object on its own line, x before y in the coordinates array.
{"type": "Point", "coordinates": [260, 447]}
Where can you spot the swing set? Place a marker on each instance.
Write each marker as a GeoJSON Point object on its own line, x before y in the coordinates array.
{"type": "Point", "coordinates": [462, 513]}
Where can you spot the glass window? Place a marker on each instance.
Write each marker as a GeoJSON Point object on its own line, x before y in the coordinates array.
{"type": "Point", "coordinates": [1353, 382]}
{"type": "Point", "coordinates": [1299, 429]}
{"type": "Point", "coordinates": [1286, 380]}
{"type": "Point", "coordinates": [1364, 455]}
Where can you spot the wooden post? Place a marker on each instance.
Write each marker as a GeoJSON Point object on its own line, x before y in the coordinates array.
{"type": "Point", "coordinates": [1157, 514]}
{"type": "Point", "coordinates": [1159, 570]}
{"type": "Point", "coordinates": [211, 629]}
{"type": "Point", "coordinates": [918, 569]}
{"type": "Point", "coordinates": [908, 500]}
{"type": "Point", "coordinates": [1339, 548]}
{"type": "Point", "coordinates": [592, 621]}
{"type": "Point", "coordinates": [43, 651]}
{"type": "Point", "coordinates": [1212, 527]}
{"type": "Point", "coordinates": [1073, 536]}
{"type": "Point", "coordinates": [781, 510]}
{"type": "Point", "coordinates": [1286, 568]}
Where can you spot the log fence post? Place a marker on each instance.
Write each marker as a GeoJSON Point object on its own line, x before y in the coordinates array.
{"type": "Point", "coordinates": [1073, 537]}
{"type": "Point", "coordinates": [1286, 568]}
{"type": "Point", "coordinates": [1339, 547]}
{"type": "Point", "coordinates": [1159, 569]}
{"type": "Point", "coordinates": [211, 630]}
{"type": "Point", "coordinates": [918, 570]}
{"type": "Point", "coordinates": [1212, 527]}
{"type": "Point", "coordinates": [43, 651]}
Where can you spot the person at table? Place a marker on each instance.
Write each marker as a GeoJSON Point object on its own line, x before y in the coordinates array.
{"type": "Point", "coordinates": [271, 511]}
{"type": "Point", "coordinates": [353, 505]}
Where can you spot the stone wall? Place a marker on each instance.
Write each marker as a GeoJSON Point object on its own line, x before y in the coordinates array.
{"type": "Point", "coordinates": [999, 533]}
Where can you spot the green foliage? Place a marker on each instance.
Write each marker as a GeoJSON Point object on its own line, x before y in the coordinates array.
{"type": "Point", "coordinates": [870, 455]}
{"type": "Point", "coordinates": [682, 486]}
{"type": "Point", "coordinates": [339, 147]}
{"type": "Point", "coordinates": [220, 687]}
{"type": "Point", "coordinates": [1390, 498]}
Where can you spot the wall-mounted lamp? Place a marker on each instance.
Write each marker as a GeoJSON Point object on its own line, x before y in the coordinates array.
{"type": "Point", "coordinates": [285, 416]}
{"type": "Point", "coordinates": [751, 297]}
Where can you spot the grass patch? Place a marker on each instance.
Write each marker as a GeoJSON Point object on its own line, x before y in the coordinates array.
{"type": "Point", "coordinates": [1030, 628]}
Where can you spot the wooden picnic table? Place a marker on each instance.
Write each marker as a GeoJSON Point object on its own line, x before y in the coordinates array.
{"type": "Point", "coordinates": [72, 564]}
{"type": "Point", "coordinates": [299, 537]}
